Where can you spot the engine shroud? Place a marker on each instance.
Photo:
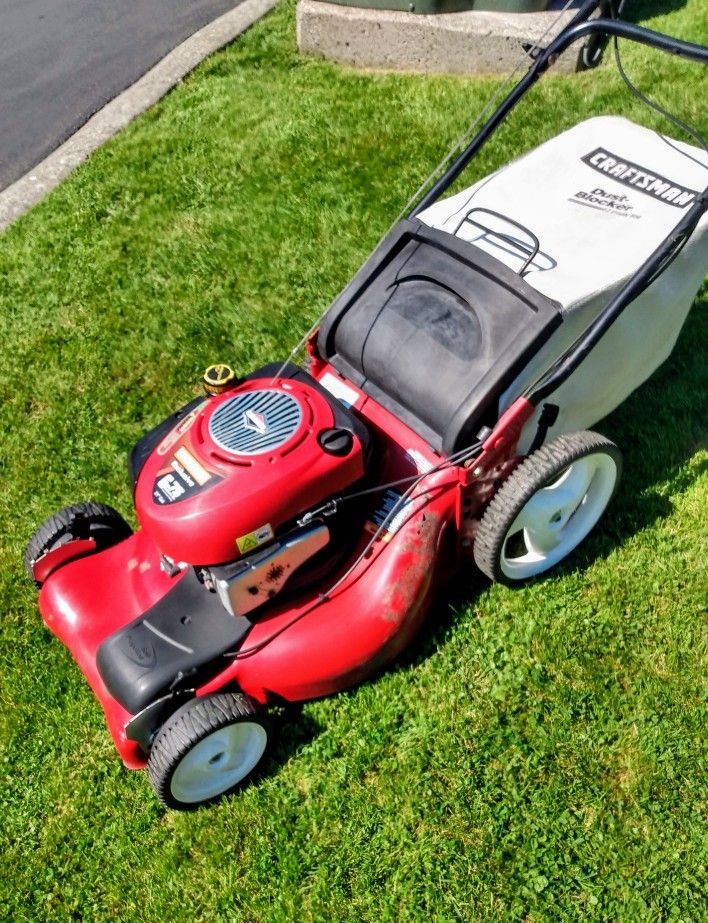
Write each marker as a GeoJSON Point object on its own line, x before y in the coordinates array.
{"type": "Point", "coordinates": [242, 465]}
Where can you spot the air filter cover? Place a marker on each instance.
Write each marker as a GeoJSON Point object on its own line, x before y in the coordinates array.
{"type": "Point", "coordinates": [255, 422]}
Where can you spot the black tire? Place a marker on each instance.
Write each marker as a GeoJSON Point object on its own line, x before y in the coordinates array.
{"type": "Point", "coordinates": [207, 749]}
{"type": "Point", "coordinates": [536, 506]}
{"type": "Point", "coordinates": [80, 521]}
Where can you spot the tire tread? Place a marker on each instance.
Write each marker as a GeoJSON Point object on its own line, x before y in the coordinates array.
{"type": "Point", "coordinates": [522, 484]}
{"type": "Point", "coordinates": [61, 523]}
{"type": "Point", "coordinates": [185, 728]}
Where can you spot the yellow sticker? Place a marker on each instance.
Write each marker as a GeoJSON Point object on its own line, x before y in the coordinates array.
{"type": "Point", "coordinates": [246, 543]}
{"type": "Point", "coordinates": [254, 539]}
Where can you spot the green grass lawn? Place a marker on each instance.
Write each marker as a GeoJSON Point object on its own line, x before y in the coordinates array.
{"type": "Point", "coordinates": [538, 754]}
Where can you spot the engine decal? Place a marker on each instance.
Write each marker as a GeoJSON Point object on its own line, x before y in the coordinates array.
{"type": "Point", "coordinates": [195, 468]}
{"type": "Point", "coordinates": [181, 478]}
{"type": "Point", "coordinates": [168, 489]}
{"type": "Point", "coordinates": [178, 431]}
{"type": "Point", "coordinates": [255, 421]}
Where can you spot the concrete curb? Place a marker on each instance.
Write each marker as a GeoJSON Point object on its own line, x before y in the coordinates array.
{"type": "Point", "coordinates": [119, 112]}
{"type": "Point", "coordinates": [472, 42]}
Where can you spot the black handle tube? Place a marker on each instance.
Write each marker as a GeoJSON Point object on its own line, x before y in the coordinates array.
{"type": "Point", "coordinates": [564, 367]}
{"type": "Point", "coordinates": [579, 27]}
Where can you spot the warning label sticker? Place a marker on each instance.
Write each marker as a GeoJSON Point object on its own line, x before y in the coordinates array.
{"type": "Point", "coordinates": [253, 539]}
{"type": "Point", "coordinates": [344, 393]}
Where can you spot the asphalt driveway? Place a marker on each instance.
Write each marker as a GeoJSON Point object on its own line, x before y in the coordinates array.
{"type": "Point", "coordinates": [62, 60]}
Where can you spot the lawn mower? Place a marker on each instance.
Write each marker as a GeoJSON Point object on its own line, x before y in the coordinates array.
{"type": "Point", "coordinates": [295, 523]}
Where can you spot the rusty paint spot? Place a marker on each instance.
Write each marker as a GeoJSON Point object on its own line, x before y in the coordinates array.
{"type": "Point", "coordinates": [275, 573]}
{"type": "Point", "coordinates": [419, 549]}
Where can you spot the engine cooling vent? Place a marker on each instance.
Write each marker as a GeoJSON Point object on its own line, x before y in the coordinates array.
{"type": "Point", "coordinates": [256, 422]}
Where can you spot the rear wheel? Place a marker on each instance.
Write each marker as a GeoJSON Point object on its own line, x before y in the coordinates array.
{"type": "Point", "coordinates": [547, 506]}
{"type": "Point", "coordinates": [207, 749]}
{"type": "Point", "coordinates": [79, 522]}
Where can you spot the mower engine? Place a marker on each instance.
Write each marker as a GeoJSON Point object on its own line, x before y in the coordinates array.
{"type": "Point", "coordinates": [227, 489]}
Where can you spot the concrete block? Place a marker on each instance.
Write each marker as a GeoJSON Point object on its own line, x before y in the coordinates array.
{"type": "Point", "coordinates": [472, 42]}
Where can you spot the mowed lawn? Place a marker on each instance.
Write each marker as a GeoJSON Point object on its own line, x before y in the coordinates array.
{"type": "Point", "coordinates": [539, 754]}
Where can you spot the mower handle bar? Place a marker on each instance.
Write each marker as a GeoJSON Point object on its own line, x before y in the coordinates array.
{"type": "Point", "coordinates": [578, 27]}
{"type": "Point", "coordinates": [667, 250]}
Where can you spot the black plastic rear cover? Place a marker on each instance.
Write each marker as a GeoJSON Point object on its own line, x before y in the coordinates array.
{"type": "Point", "coordinates": [435, 329]}
{"type": "Point", "coordinates": [185, 633]}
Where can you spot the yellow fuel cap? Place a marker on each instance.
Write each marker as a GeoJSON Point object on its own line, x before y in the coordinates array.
{"type": "Point", "coordinates": [218, 378]}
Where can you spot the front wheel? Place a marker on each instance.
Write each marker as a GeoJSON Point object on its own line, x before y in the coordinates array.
{"type": "Point", "coordinates": [547, 506]}
{"type": "Point", "coordinates": [75, 531]}
{"type": "Point", "coordinates": [206, 750]}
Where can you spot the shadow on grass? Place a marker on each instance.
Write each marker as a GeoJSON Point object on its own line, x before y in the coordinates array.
{"type": "Point", "coordinates": [293, 728]}
{"type": "Point", "coordinates": [639, 10]}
